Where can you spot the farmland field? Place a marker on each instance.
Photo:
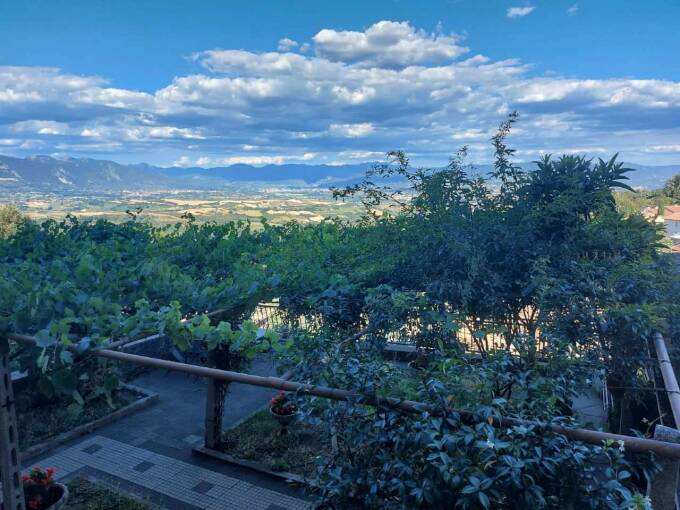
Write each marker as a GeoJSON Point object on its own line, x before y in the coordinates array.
{"type": "Point", "coordinates": [278, 204]}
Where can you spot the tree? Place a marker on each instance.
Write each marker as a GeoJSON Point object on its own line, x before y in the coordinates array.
{"type": "Point", "coordinates": [672, 188]}
{"type": "Point", "coordinates": [518, 259]}
{"type": "Point", "coordinates": [10, 218]}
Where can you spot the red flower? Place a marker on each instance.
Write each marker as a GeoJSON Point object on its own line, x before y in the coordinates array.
{"type": "Point", "coordinates": [35, 502]}
{"type": "Point", "coordinates": [37, 486]}
{"type": "Point", "coordinates": [281, 405]}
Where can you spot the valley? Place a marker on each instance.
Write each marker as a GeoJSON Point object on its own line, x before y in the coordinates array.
{"type": "Point", "coordinates": [278, 204]}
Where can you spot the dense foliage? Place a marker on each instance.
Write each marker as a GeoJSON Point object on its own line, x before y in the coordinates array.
{"type": "Point", "coordinates": [672, 188]}
{"type": "Point", "coordinates": [540, 264]}
{"type": "Point", "coordinates": [519, 291]}
{"type": "Point", "coordinates": [78, 285]}
{"type": "Point", "coordinates": [10, 219]}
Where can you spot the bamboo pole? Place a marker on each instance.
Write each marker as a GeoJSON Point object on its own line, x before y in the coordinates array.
{"type": "Point", "coordinates": [632, 444]}
{"type": "Point", "coordinates": [669, 379]}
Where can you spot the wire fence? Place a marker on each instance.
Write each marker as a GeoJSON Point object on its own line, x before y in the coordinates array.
{"type": "Point", "coordinates": [268, 316]}
{"type": "Point", "coordinates": [475, 335]}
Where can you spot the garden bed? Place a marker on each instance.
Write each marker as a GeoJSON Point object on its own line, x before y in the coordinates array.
{"type": "Point", "coordinates": [256, 443]}
{"type": "Point", "coordinates": [86, 495]}
{"type": "Point", "coordinates": [45, 427]}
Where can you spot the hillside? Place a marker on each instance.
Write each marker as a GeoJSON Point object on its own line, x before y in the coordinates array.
{"type": "Point", "coordinates": [83, 174]}
{"type": "Point", "coordinates": [40, 172]}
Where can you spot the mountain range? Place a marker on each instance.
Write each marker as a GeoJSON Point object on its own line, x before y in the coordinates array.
{"type": "Point", "coordinates": [48, 173]}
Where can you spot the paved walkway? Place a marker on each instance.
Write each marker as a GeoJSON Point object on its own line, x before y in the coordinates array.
{"type": "Point", "coordinates": [149, 453]}
{"type": "Point", "coordinates": [164, 480]}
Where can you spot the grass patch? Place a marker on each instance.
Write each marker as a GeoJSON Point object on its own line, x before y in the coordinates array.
{"type": "Point", "coordinates": [85, 495]}
{"type": "Point", "coordinates": [39, 423]}
{"type": "Point", "coordinates": [258, 439]}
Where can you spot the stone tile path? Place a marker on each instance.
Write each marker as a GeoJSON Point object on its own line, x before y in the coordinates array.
{"type": "Point", "coordinates": [589, 410]}
{"type": "Point", "coordinates": [172, 483]}
{"type": "Point", "coordinates": [149, 454]}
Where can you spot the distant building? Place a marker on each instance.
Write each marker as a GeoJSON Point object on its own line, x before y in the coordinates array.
{"type": "Point", "coordinates": [671, 220]}
{"type": "Point", "coordinates": [650, 213]}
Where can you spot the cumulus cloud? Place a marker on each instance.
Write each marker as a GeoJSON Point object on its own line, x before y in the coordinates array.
{"type": "Point", "coordinates": [361, 155]}
{"type": "Point", "coordinates": [519, 12]}
{"type": "Point", "coordinates": [357, 93]}
{"type": "Point", "coordinates": [388, 44]}
{"type": "Point", "coordinates": [352, 130]}
{"type": "Point", "coordinates": [40, 127]}
{"type": "Point", "coordinates": [207, 161]}
{"type": "Point", "coordinates": [663, 148]}
{"type": "Point", "coordinates": [286, 44]}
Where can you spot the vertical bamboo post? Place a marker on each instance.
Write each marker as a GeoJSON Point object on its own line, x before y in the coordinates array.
{"type": "Point", "coordinates": [663, 488]}
{"type": "Point", "coordinates": [10, 467]}
{"type": "Point", "coordinates": [669, 380]}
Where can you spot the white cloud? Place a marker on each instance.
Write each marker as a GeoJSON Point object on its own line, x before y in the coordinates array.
{"type": "Point", "coordinates": [352, 130]}
{"type": "Point", "coordinates": [175, 132]}
{"type": "Point", "coordinates": [388, 44]}
{"type": "Point", "coordinates": [663, 148]}
{"type": "Point", "coordinates": [558, 150]}
{"type": "Point", "coordinates": [471, 134]}
{"type": "Point", "coordinates": [210, 161]}
{"type": "Point", "coordinates": [361, 155]}
{"type": "Point", "coordinates": [41, 127]}
{"type": "Point", "coordinates": [573, 10]}
{"type": "Point", "coordinates": [520, 12]}
{"type": "Point", "coordinates": [390, 86]}
{"type": "Point", "coordinates": [286, 44]}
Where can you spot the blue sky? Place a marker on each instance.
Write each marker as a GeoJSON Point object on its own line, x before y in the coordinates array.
{"type": "Point", "coordinates": [212, 83]}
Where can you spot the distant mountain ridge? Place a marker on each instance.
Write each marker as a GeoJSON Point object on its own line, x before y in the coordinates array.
{"type": "Point", "coordinates": [46, 172]}
{"type": "Point", "coordinates": [84, 173]}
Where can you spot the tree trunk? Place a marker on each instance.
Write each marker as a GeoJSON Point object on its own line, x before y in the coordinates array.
{"type": "Point", "coordinates": [214, 406]}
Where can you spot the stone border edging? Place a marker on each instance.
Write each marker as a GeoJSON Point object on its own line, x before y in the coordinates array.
{"type": "Point", "coordinates": [286, 476]}
{"type": "Point", "coordinates": [148, 398]}
{"type": "Point", "coordinates": [250, 464]}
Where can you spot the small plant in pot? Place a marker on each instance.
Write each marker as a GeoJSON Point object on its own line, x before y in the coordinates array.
{"type": "Point", "coordinates": [283, 410]}
{"type": "Point", "coordinates": [42, 492]}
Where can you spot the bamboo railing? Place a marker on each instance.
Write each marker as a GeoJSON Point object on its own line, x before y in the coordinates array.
{"type": "Point", "coordinates": [630, 443]}
{"type": "Point", "coordinates": [669, 380]}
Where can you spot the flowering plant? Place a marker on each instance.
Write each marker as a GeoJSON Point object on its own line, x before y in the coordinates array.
{"type": "Point", "coordinates": [281, 404]}
{"type": "Point", "coordinates": [40, 490]}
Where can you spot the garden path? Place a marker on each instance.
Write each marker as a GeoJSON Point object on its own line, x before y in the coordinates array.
{"type": "Point", "coordinates": [589, 409]}
{"type": "Point", "coordinates": [149, 454]}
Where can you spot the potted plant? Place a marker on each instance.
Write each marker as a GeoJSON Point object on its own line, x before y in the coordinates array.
{"type": "Point", "coordinates": [283, 410]}
{"type": "Point", "coordinates": [42, 492]}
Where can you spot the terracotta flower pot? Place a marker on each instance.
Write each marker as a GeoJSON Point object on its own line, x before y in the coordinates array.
{"type": "Point", "coordinates": [58, 494]}
{"type": "Point", "coordinates": [284, 420]}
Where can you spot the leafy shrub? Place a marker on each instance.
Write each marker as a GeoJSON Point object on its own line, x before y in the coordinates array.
{"type": "Point", "coordinates": [10, 219]}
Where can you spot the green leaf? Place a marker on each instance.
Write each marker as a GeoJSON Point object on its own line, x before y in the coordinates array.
{"type": "Point", "coordinates": [45, 339]}
{"type": "Point", "coordinates": [78, 398]}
